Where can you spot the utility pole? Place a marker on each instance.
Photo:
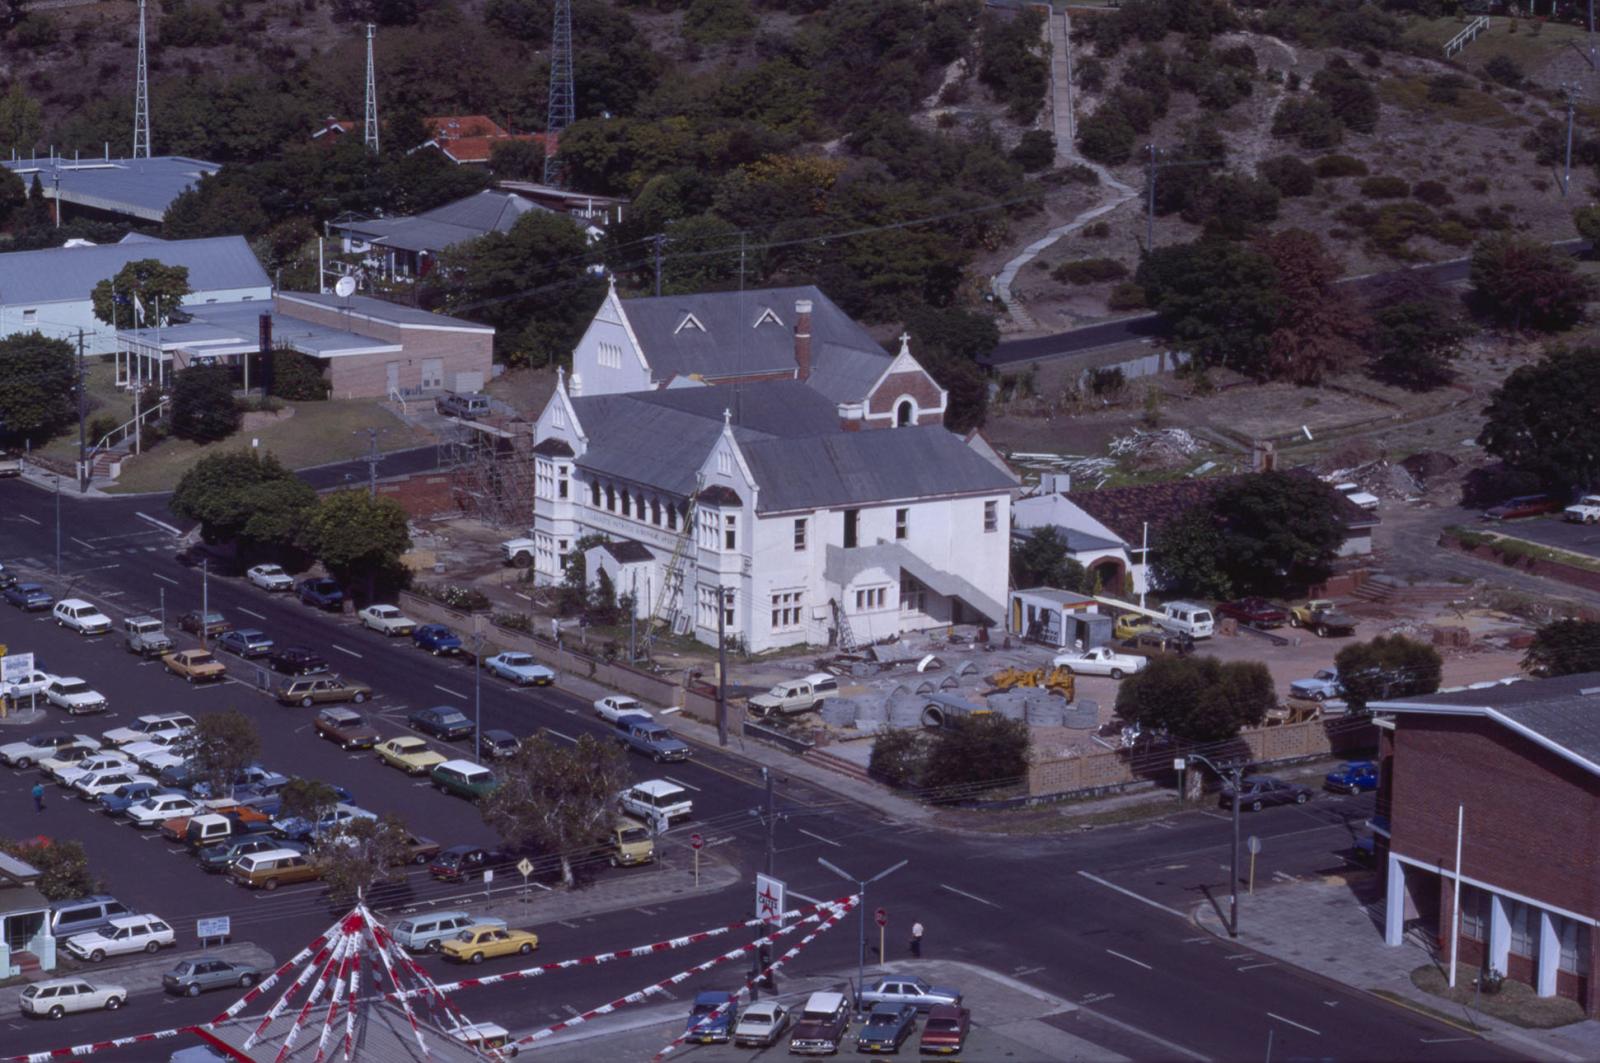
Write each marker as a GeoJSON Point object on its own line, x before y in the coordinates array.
{"type": "Point", "coordinates": [659, 240]}
{"type": "Point", "coordinates": [1150, 210]}
{"type": "Point", "coordinates": [58, 525]}
{"type": "Point", "coordinates": [772, 818]}
{"type": "Point", "coordinates": [1237, 771]}
{"type": "Point", "coordinates": [83, 467]}
{"type": "Point", "coordinates": [205, 599]}
{"type": "Point", "coordinates": [722, 667]}
{"type": "Point", "coordinates": [861, 905]}
{"type": "Point", "coordinates": [477, 695]}
{"type": "Point", "coordinates": [563, 110]}
{"type": "Point", "coordinates": [633, 616]}
{"type": "Point", "coordinates": [1571, 92]}
{"type": "Point", "coordinates": [372, 460]}
{"type": "Point", "coordinates": [369, 131]}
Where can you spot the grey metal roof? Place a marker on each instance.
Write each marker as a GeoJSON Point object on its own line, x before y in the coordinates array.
{"type": "Point", "coordinates": [140, 188]}
{"type": "Point", "coordinates": [383, 310]}
{"type": "Point", "coordinates": [67, 274]}
{"type": "Point", "coordinates": [466, 219]}
{"type": "Point", "coordinates": [644, 442]}
{"type": "Point", "coordinates": [737, 337]}
{"type": "Point", "coordinates": [773, 408]}
{"type": "Point", "coordinates": [1555, 713]}
{"type": "Point", "coordinates": [228, 328]}
{"type": "Point", "coordinates": [844, 374]}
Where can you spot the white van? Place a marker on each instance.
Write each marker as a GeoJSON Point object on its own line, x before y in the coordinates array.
{"type": "Point", "coordinates": [1189, 618]}
{"type": "Point", "coordinates": [423, 932]}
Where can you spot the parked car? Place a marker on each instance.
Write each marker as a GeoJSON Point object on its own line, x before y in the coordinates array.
{"type": "Point", "coordinates": [146, 727]}
{"type": "Point", "coordinates": [520, 668]}
{"type": "Point", "coordinates": [309, 690]}
{"type": "Point", "coordinates": [500, 745]}
{"type": "Point", "coordinates": [270, 578]}
{"type": "Point", "coordinates": [1254, 612]}
{"type": "Point", "coordinates": [158, 808]}
{"type": "Point", "coordinates": [155, 752]}
{"type": "Point", "coordinates": [1191, 618]}
{"type": "Point", "coordinates": [347, 727]}
{"type": "Point", "coordinates": [386, 620]}
{"type": "Point", "coordinates": [436, 639]}
{"type": "Point", "coordinates": [1321, 617]}
{"type": "Point", "coordinates": [296, 660]}
{"type": "Point", "coordinates": [905, 989]}
{"type": "Point", "coordinates": [195, 666]}
{"type": "Point", "coordinates": [643, 735]}
{"type": "Point", "coordinates": [272, 868]}
{"type": "Point", "coordinates": [25, 685]}
{"type": "Point", "coordinates": [8, 578]}
{"type": "Point", "coordinates": [1351, 777]}
{"type": "Point", "coordinates": [761, 1024]}
{"type": "Point", "coordinates": [1130, 624]}
{"type": "Point", "coordinates": [1320, 687]}
{"type": "Point", "coordinates": [657, 803]}
{"type": "Point", "coordinates": [190, 978]}
{"type": "Point", "coordinates": [74, 695]}
{"type": "Point", "coordinates": [441, 721]}
{"type": "Point", "coordinates": [1102, 660]}
{"type": "Point", "coordinates": [75, 614]}
{"type": "Point", "coordinates": [458, 861]}
{"type": "Point", "coordinates": [794, 696]}
{"type": "Point", "coordinates": [300, 828]}
{"type": "Point", "coordinates": [467, 406]}
{"type": "Point", "coordinates": [463, 778]}
{"type": "Point", "coordinates": [1585, 510]}
{"type": "Point", "coordinates": [711, 1018]}
{"type": "Point", "coordinates": [410, 754]}
{"type": "Point", "coordinates": [217, 858]}
{"type": "Point", "coordinates": [1522, 506]}
{"type": "Point", "coordinates": [888, 1026]}
{"type": "Point", "coordinates": [420, 850]}
{"type": "Point", "coordinates": [1258, 791]}
{"type": "Point", "coordinates": [615, 706]}
{"type": "Point", "coordinates": [946, 1030]}
{"type": "Point", "coordinates": [96, 784]}
{"type": "Point", "coordinates": [144, 636]}
{"type": "Point", "coordinates": [246, 642]}
{"type": "Point", "coordinates": [69, 762]}
{"type": "Point", "coordinates": [1149, 644]}
{"type": "Point", "coordinates": [29, 596]}
{"type": "Point", "coordinates": [322, 592]}
{"type": "Point", "coordinates": [424, 931]}
{"type": "Point", "coordinates": [124, 934]}
{"type": "Point", "coordinates": [628, 843]}
{"type": "Point", "coordinates": [83, 915]}
{"type": "Point", "coordinates": [59, 996]}
{"type": "Point", "coordinates": [119, 800]}
{"type": "Point", "coordinates": [206, 625]}
{"type": "Point", "coordinates": [29, 751]}
{"type": "Point", "coordinates": [519, 552]}
{"type": "Point", "coordinates": [484, 942]}
{"type": "Point", "coordinates": [820, 1027]}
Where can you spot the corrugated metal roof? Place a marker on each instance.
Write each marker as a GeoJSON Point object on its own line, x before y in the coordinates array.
{"type": "Point", "coordinates": [645, 443]}
{"type": "Point", "coordinates": [383, 310]}
{"type": "Point", "coordinates": [1555, 711]}
{"type": "Point", "coordinates": [228, 327]}
{"type": "Point", "coordinates": [773, 408]}
{"type": "Point", "coordinates": [849, 468]}
{"type": "Point", "coordinates": [141, 188]}
{"type": "Point", "coordinates": [466, 219]}
{"type": "Point", "coordinates": [61, 274]}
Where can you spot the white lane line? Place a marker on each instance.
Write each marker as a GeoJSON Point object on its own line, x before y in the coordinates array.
{"type": "Point", "coordinates": [802, 896]}
{"type": "Point", "coordinates": [968, 896]}
{"type": "Point", "coordinates": [80, 542]}
{"type": "Point", "coordinates": [341, 649]}
{"type": "Point", "coordinates": [29, 519]}
{"type": "Point", "coordinates": [163, 525]}
{"type": "Point", "coordinates": [248, 612]}
{"type": "Point", "coordinates": [167, 579]}
{"type": "Point", "coordinates": [1217, 815]}
{"type": "Point", "coordinates": [558, 734]}
{"type": "Point", "coordinates": [1130, 959]}
{"type": "Point", "coordinates": [680, 782]}
{"type": "Point", "coordinates": [820, 838]}
{"type": "Point", "coordinates": [1130, 893]}
{"type": "Point", "coordinates": [1291, 1022]}
{"type": "Point", "coordinates": [1253, 966]}
{"type": "Point", "coordinates": [452, 693]}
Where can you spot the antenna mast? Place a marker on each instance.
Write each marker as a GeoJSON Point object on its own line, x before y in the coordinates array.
{"type": "Point", "coordinates": [370, 130]}
{"type": "Point", "coordinates": [141, 99]}
{"type": "Point", "coordinates": [562, 109]}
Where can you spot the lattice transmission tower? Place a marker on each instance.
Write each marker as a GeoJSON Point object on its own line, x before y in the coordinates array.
{"type": "Point", "coordinates": [369, 130]}
{"type": "Point", "coordinates": [141, 98]}
{"type": "Point", "coordinates": [562, 107]}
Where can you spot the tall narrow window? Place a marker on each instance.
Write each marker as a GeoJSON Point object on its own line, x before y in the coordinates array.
{"type": "Point", "coordinates": [611, 498]}
{"type": "Point", "coordinates": [852, 524]}
{"type": "Point", "coordinates": [904, 414]}
{"type": "Point", "coordinates": [799, 534]}
{"type": "Point", "coordinates": [991, 516]}
{"type": "Point", "coordinates": [594, 493]}
{"type": "Point", "coordinates": [730, 532]}
{"type": "Point", "coordinates": [902, 523]}
{"type": "Point", "coordinates": [627, 504]}
{"type": "Point", "coordinates": [562, 480]}
{"type": "Point", "coordinates": [672, 517]}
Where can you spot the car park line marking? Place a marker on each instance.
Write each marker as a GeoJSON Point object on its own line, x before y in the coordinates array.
{"type": "Point", "coordinates": [969, 896]}
{"type": "Point", "coordinates": [109, 594]}
{"type": "Point", "coordinates": [680, 782]}
{"type": "Point", "coordinates": [341, 649]}
{"type": "Point", "coordinates": [1253, 966]}
{"type": "Point", "coordinates": [1217, 815]}
{"type": "Point", "coordinates": [1023, 972]}
{"type": "Point", "coordinates": [820, 838]}
{"type": "Point", "coordinates": [447, 690]}
{"type": "Point", "coordinates": [558, 734]}
{"type": "Point", "coordinates": [1425, 1040]}
{"type": "Point", "coordinates": [1291, 1022]}
{"type": "Point", "coordinates": [1129, 893]}
{"type": "Point", "coordinates": [569, 926]}
{"type": "Point", "coordinates": [163, 525]}
{"type": "Point", "coordinates": [168, 579]}
{"type": "Point", "coordinates": [247, 612]}
{"type": "Point", "coordinates": [1204, 939]}
{"type": "Point", "coordinates": [80, 542]}
{"type": "Point", "coordinates": [29, 519]}
{"type": "Point", "coordinates": [1130, 959]}
{"type": "Point", "coordinates": [803, 897]}
{"type": "Point", "coordinates": [1240, 956]}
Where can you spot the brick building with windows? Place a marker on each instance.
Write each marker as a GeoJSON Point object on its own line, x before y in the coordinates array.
{"type": "Point", "coordinates": [1519, 762]}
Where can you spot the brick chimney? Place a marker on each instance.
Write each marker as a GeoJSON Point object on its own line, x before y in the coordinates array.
{"type": "Point", "coordinates": [802, 339]}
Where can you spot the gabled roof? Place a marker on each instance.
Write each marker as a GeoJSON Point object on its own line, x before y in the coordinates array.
{"type": "Point", "coordinates": [474, 150]}
{"type": "Point", "coordinates": [454, 223]}
{"type": "Point", "coordinates": [627, 551]}
{"type": "Point", "coordinates": [1562, 715]}
{"type": "Point", "coordinates": [62, 274]}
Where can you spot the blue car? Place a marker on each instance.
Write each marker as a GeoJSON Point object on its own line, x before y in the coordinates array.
{"type": "Point", "coordinates": [246, 642]}
{"type": "Point", "coordinates": [704, 1029]}
{"type": "Point", "coordinates": [441, 721]}
{"type": "Point", "coordinates": [1353, 776]}
{"type": "Point", "coordinates": [520, 668]}
{"type": "Point", "coordinates": [117, 801]}
{"type": "Point", "coordinates": [436, 639]}
{"type": "Point", "coordinates": [29, 596]}
{"type": "Point", "coordinates": [324, 593]}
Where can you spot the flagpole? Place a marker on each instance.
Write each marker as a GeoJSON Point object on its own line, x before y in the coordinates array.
{"type": "Point", "coordinates": [1455, 908]}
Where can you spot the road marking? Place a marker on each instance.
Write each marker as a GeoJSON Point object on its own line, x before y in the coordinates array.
{"type": "Point", "coordinates": [109, 594]}
{"type": "Point", "coordinates": [1130, 959]}
{"type": "Point", "coordinates": [29, 519]}
{"type": "Point", "coordinates": [803, 897]}
{"type": "Point", "coordinates": [168, 579]}
{"type": "Point", "coordinates": [1130, 893]}
{"type": "Point", "coordinates": [1240, 956]}
{"type": "Point", "coordinates": [680, 782]}
{"type": "Point", "coordinates": [248, 612]}
{"type": "Point", "coordinates": [969, 896]}
{"type": "Point", "coordinates": [80, 542]}
{"type": "Point", "coordinates": [1095, 998]}
{"type": "Point", "coordinates": [341, 649]}
{"type": "Point", "coordinates": [1217, 815]}
{"type": "Point", "coordinates": [1291, 1022]}
{"type": "Point", "coordinates": [446, 690]}
{"type": "Point", "coordinates": [570, 926]}
{"type": "Point", "coordinates": [820, 838]}
{"type": "Point", "coordinates": [1253, 966]}
{"type": "Point", "coordinates": [558, 734]}
{"type": "Point", "coordinates": [1204, 938]}
{"type": "Point", "coordinates": [1445, 1040]}
{"type": "Point", "coordinates": [163, 525]}
{"type": "Point", "coordinates": [1023, 972]}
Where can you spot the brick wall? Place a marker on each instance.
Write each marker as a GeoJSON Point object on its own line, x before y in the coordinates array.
{"type": "Point", "coordinates": [919, 386]}
{"type": "Point", "coordinates": [422, 495]}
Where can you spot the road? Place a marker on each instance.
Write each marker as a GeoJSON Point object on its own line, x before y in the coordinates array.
{"type": "Point", "coordinates": [1049, 910]}
{"type": "Point", "coordinates": [1143, 326]}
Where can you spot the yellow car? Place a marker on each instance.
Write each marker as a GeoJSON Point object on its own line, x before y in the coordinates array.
{"type": "Point", "coordinates": [196, 666]}
{"type": "Point", "coordinates": [478, 943]}
{"type": "Point", "coordinates": [1130, 625]}
{"type": "Point", "coordinates": [410, 754]}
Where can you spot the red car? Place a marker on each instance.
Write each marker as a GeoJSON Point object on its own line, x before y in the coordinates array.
{"type": "Point", "coordinates": [946, 1030]}
{"type": "Point", "coordinates": [1522, 506]}
{"type": "Point", "coordinates": [1254, 612]}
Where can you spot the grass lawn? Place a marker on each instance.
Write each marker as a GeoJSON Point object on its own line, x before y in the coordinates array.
{"type": "Point", "coordinates": [100, 378]}
{"type": "Point", "coordinates": [319, 432]}
{"type": "Point", "coordinates": [1516, 1002]}
{"type": "Point", "coordinates": [1513, 37]}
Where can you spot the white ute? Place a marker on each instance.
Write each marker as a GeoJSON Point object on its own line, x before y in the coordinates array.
{"type": "Point", "coordinates": [1585, 510]}
{"type": "Point", "coordinates": [1101, 660]}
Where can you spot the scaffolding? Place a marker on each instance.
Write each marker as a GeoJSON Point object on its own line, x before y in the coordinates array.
{"type": "Point", "coordinates": [491, 469]}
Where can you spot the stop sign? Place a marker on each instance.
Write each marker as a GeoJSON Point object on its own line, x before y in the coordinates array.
{"type": "Point", "coordinates": [882, 916]}
{"type": "Point", "coordinates": [695, 841]}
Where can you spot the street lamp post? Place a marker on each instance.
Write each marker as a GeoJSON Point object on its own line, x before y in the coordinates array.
{"type": "Point", "coordinates": [1237, 772]}
{"type": "Point", "coordinates": [861, 885]}
{"type": "Point", "coordinates": [477, 696]}
{"type": "Point", "coordinates": [58, 525]}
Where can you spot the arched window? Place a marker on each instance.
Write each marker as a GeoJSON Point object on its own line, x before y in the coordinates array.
{"type": "Point", "coordinates": [904, 413]}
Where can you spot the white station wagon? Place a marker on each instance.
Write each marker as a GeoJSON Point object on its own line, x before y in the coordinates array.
{"type": "Point", "coordinates": [124, 934]}
{"type": "Point", "coordinates": [81, 616]}
{"type": "Point", "coordinates": [59, 996]}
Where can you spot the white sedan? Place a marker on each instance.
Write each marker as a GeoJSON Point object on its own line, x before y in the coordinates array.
{"type": "Point", "coordinates": [74, 695]}
{"type": "Point", "coordinates": [270, 578]}
{"type": "Point", "coordinates": [386, 619]}
{"type": "Point", "coordinates": [68, 773]}
{"type": "Point", "coordinates": [96, 783]}
{"type": "Point", "coordinates": [157, 809]}
{"type": "Point", "coordinates": [1100, 661]}
{"type": "Point", "coordinates": [613, 708]}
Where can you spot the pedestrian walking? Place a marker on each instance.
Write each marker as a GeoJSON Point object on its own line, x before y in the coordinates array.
{"type": "Point", "coordinates": [38, 797]}
{"type": "Point", "coordinates": [916, 940]}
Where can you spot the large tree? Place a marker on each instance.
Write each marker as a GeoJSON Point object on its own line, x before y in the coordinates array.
{"type": "Point", "coordinates": [1217, 299]}
{"type": "Point", "coordinates": [63, 866]}
{"type": "Point", "coordinates": [1389, 666]}
{"type": "Point", "coordinates": [1564, 647]}
{"type": "Point", "coordinates": [359, 537]}
{"type": "Point", "coordinates": [556, 796]}
{"type": "Point", "coordinates": [1200, 699]}
{"type": "Point", "coordinates": [361, 852]}
{"type": "Point", "coordinates": [143, 294]}
{"type": "Point", "coordinates": [1040, 559]}
{"type": "Point", "coordinates": [975, 753]}
{"type": "Point", "coordinates": [38, 386]}
{"type": "Point", "coordinates": [948, 342]}
{"type": "Point", "coordinates": [203, 406]}
{"type": "Point", "coordinates": [220, 746]}
{"type": "Point", "coordinates": [1523, 283]}
{"type": "Point", "coordinates": [245, 497]}
{"type": "Point", "coordinates": [1319, 329]}
{"type": "Point", "coordinates": [1542, 420]}
{"type": "Point", "coordinates": [1417, 332]}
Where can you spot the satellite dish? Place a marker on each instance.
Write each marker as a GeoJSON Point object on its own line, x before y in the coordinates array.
{"type": "Point", "coordinates": [345, 287]}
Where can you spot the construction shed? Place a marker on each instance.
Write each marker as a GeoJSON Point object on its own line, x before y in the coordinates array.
{"type": "Point", "coordinates": [1057, 618]}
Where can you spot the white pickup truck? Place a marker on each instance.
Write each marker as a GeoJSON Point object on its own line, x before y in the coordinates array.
{"type": "Point", "coordinates": [794, 696]}
{"type": "Point", "coordinates": [1585, 510]}
{"type": "Point", "coordinates": [518, 552]}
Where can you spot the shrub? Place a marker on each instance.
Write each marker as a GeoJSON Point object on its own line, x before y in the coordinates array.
{"type": "Point", "coordinates": [1311, 123]}
{"type": "Point", "coordinates": [203, 407]}
{"type": "Point", "coordinates": [1385, 188]}
{"type": "Point", "coordinates": [514, 621]}
{"type": "Point", "coordinates": [1446, 88]}
{"type": "Point", "coordinates": [36, 31]}
{"type": "Point", "coordinates": [1035, 151]}
{"type": "Point", "coordinates": [1504, 69]}
{"type": "Point", "coordinates": [900, 758]}
{"type": "Point", "coordinates": [1475, 186]}
{"type": "Point", "coordinates": [1127, 296]}
{"type": "Point", "coordinates": [1089, 271]}
{"type": "Point", "coordinates": [297, 377]}
{"type": "Point", "coordinates": [1098, 230]}
{"type": "Point", "coordinates": [466, 599]}
{"type": "Point", "coordinates": [1091, 75]}
{"type": "Point", "coordinates": [1350, 97]}
{"type": "Point", "coordinates": [1433, 193]}
{"type": "Point", "coordinates": [1288, 175]}
{"type": "Point", "coordinates": [99, 425]}
{"type": "Point", "coordinates": [1107, 380]}
{"type": "Point", "coordinates": [1076, 174]}
{"type": "Point", "coordinates": [1106, 136]}
{"type": "Point", "coordinates": [1340, 166]}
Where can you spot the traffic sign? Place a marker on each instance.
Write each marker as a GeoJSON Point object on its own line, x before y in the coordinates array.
{"type": "Point", "coordinates": [525, 867]}
{"type": "Point", "coordinates": [1253, 844]}
{"type": "Point", "coordinates": [488, 876]}
{"type": "Point", "coordinates": [16, 667]}
{"type": "Point", "coordinates": [696, 842]}
{"type": "Point", "coordinates": [882, 916]}
{"type": "Point", "coordinates": [217, 927]}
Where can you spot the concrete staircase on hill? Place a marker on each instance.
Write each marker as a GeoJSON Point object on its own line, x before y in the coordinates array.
{"type": "Point", "coordinates": [833, 762]}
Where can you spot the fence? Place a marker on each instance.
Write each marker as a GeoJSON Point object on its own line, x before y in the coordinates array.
{"type": "Point", "coordinates": [1467, 36]}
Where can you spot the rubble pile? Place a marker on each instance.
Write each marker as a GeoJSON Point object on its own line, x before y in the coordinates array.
{"type": "Point", "coordinates": [1156, 448]}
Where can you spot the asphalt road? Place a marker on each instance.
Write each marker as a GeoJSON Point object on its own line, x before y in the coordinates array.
{"type": "Point", "coordinates": [1152, 985]}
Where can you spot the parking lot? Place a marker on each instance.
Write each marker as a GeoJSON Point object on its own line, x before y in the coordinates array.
{"type": "Point", "coordinates": [1553, 531]}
